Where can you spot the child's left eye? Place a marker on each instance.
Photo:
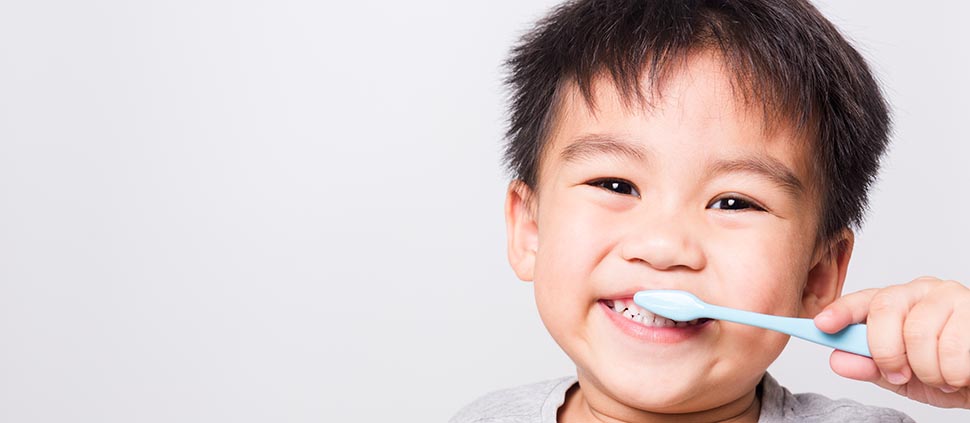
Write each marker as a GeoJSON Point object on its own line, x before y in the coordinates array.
{"type": "Point", "coordinates": [734, 203]}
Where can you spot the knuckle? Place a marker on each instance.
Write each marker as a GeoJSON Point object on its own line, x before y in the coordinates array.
{"type": "Point", "coordinates": [884, 301]}
{"type": "Point", "coordinates": [955, 361]}
{"type": "Point", "coordinates": [921, 323]}
{"type": "Point", "coordinates": [955, 286]}
{"type": "Point", "coordinates": [951, 346]}
{"type": "Point", "coordinates": [887, 356]}
{"type": "Point", "coordinates": [947, 288]}
{"type": "Point", "coordinates": [914, 332]}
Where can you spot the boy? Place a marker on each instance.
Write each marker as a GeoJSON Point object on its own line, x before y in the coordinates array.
{"type": "Point", "coordinates": [724, 148]}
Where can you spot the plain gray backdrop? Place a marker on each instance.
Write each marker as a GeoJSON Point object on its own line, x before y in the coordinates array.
{"type": "Point", "coordinates": [216, 211]}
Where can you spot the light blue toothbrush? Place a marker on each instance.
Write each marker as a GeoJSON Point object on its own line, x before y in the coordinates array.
{"type": "Point", "coordinates": [684, 306]}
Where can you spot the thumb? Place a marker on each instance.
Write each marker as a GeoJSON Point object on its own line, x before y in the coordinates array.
{"type": "Point", "coordinates": [854, 366]}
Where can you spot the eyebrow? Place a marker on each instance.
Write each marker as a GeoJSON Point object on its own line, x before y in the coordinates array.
{"type": "Point", "coordinates": [587, 146]}
{"type": "Point", "coordinates": [768, 167]}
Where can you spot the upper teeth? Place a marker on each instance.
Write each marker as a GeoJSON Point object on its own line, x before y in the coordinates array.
{"type": "Point", "coordinates": [631, 311]}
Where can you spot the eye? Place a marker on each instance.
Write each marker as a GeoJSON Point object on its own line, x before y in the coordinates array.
{"type": "Point", "coordinates": [735, 203]}
{"type": "Point", "coordinates": [618, 186]}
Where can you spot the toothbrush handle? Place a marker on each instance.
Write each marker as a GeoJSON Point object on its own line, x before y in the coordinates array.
{"type": "Point", "coordinates": [852, 338]}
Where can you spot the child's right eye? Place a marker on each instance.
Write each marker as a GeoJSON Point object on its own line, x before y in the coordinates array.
{"type": "Point", "coordinates": [618, 186]}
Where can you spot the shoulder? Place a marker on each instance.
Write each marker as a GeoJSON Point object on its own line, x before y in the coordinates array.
{"type": "Point", "coordinates": [780, 405]}
{"type": "Point", "coordinates": [531, 403]}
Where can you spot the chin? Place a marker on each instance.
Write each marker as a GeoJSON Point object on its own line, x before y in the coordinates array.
{"type": "Point", "coordinates": [659, 389]}
{"type": "Point", "coordinates": [687, 385]}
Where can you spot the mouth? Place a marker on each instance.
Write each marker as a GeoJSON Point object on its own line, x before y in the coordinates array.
{"type": "Point", "coordinates": [627, 309]}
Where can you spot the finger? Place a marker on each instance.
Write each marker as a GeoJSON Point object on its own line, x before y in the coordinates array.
{"type": "Point", "coordinates": [954, 349]}
{"type": "Point", "coordinates": [854, 366]}
{"type": "Point", "coordinates": [852, 308]}
{"type": "Point", "coordinates": [921, 334]}
{"type": "Point", "coordinates": [887, 312]}
{"type": "Point", "coordinates": [857, 367]}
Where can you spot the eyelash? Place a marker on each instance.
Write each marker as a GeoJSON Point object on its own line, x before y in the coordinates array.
{"type": "Point", "coordinates": [624, 187]}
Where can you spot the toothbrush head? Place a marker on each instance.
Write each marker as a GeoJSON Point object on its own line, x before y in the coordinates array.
{"type": "Point", "coordinates": [676, 305]}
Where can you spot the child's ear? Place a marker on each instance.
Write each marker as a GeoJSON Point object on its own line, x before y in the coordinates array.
{"type": "Point", "coordinates": [827, 275]}
{"type": "Point", "coordinates": [522, 230]}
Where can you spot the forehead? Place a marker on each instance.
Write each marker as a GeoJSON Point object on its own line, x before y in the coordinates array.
{"type": "Point", "coordinates": [697, 111]}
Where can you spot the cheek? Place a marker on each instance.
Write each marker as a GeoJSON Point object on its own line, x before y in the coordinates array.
{"type": "Point", "coordinates": [573, 236]}
{"type": "Point", "coordinates": [765, 276]}
{"type": "Point", "coordinates": [572, 240]}
{"type": "Point", "coordinates": [762, 277]}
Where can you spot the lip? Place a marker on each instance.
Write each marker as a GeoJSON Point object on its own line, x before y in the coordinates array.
{"type": "Point", "coordinates": [625, 295]}
{"type": "Point", "coordinates": [656, 335]}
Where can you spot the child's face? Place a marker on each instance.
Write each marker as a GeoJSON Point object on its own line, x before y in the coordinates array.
{"type": "Point", "coordinates": [691, 194]}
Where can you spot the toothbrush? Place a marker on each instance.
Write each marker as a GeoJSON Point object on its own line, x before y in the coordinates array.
{"type": "Point", "coordinates": [684, 306]}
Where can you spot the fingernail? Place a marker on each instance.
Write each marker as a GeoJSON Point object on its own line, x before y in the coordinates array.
{"type": "Point", "coordinates": [949, 389]}
{"type": "Point", "coordinates": [896, 378]}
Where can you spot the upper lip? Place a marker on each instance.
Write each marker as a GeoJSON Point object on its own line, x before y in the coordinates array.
{"type": "Point", "coordinates": [625, 295]}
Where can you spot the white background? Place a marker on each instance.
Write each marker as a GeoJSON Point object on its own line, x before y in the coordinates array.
{"type": "Point", "coordinates": [291, 210]}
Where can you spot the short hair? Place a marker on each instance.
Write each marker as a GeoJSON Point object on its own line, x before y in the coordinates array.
{"type": "Point", "coordinates": [784, 55]}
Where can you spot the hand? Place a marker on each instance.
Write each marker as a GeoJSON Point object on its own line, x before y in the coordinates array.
{"type": "Point", "coordinates": [919, 337]}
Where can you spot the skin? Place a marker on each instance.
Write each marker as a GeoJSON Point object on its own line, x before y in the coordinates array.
{"type": "Point", "coordinates": [919, 337]}
{"type": "Point", "coordinates": [581, 242]}
{"type": "Point", "coordinates": [632, 198]}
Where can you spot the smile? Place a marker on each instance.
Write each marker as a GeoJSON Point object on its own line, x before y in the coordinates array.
{"type": "Point", "coordinates": [628, 309]}
{"type": "Point", "coordinates": [643, 325]}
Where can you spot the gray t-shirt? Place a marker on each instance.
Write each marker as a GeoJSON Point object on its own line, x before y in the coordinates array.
{"type": "Point", "coordinates": [539, 402]}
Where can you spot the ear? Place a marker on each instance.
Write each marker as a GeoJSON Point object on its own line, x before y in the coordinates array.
{"type": "Point", "coordinates": [521, 228]}
{"type": "Point", "coordinates": [827, 275]}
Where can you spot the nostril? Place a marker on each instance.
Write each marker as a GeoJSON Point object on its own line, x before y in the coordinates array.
{"type": "Point", "coordinates": [664, 248]}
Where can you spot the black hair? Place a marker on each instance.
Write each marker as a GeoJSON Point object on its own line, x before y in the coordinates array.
{"type": "Point", "coordinates": [784, 55]}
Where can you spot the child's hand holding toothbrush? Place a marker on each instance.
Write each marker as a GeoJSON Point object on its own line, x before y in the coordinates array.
{"type": "Point", "coordinates": [919, 337]}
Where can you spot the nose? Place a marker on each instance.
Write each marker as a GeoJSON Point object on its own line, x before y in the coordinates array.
{"type": "Point", "coordinates": [664, 243]}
